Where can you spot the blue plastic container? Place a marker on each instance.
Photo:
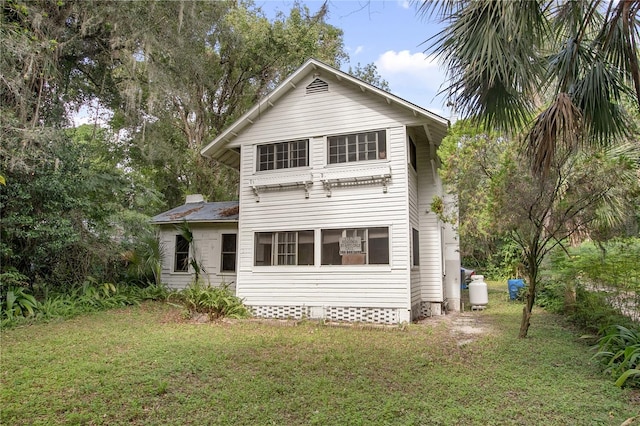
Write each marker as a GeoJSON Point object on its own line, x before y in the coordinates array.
{"type": "Point", "coordinates": [514, 288]}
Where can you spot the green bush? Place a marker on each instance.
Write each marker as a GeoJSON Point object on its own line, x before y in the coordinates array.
{"type": "Point", "coordinates": [215, 302]}
{"type": "Point", "coordinates": [586, 282]}
{"type": "Point", "coordinates": [19, 306]}
{"type": "Point", "coordinates": [619, 353]}
{"type": "Point", "coordinates": [18, 303]}
{"type": "Point", "coordinates": [594, 313]}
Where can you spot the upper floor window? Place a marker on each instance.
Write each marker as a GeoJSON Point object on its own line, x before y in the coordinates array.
{"type": "Point", "coordinates": [284, 248]}
{"type": "Point", "coordinates": [358, 147]}
{"type": "Point", "coordinates": [413, 154]}
{"type": "Point", "coordinates": [283, 155]}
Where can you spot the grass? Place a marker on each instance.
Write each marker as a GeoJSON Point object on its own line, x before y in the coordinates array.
{"type": "Point", "coordinates": [141, 365]}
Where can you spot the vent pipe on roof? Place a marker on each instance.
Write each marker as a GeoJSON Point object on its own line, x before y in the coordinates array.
{"type": "Point", "coordinates": [194, 198]}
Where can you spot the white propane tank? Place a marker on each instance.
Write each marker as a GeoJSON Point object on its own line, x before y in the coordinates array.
{"type": "Point", "coordinates": [478, 295]}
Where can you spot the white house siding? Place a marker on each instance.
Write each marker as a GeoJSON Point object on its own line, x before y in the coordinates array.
{"type": "Point", "coordinates": [207, 245]}
{"type": "Point", "coordinates": [320, 290]}
{"type": "Point", "coordinates": [414, 221]}
{"type": "Point", "coordinates": [431, 279]}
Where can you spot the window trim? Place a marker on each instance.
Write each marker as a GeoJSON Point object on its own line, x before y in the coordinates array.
{"type": "Point", "coordinates": [357, 143]}
{"type": "Point", "coordinates": [275, 162]}
{"type": "Point", "coordinates": [179, 237]}
{"type": "Point", "coordinates": [223, 252]}
{"type": "Point", "coordinates": [278, 243]}
{"type": "Point", "coordinates": [366, 241]}
{"type": "Point", "coordinates": [415, 248]}
{"type": "Point", "coordinates": [413, 154]}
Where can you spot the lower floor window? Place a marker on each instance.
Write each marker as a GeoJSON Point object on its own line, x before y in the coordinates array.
{"type": "Point", "coordinates": [284, 248]}
{"type": "Point", "coordinates": [228, 253]}
{"type": "Point", "coordinates": [355, 246]}
{"type": "Point", "coordinates": [181, 262]}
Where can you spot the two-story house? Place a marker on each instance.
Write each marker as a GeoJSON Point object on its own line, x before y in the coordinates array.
{"type": "Point", "coordinates": [336, 182]}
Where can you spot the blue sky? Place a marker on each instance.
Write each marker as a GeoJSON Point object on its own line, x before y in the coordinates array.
{"type": "Point", "coordinates": [390, 34]}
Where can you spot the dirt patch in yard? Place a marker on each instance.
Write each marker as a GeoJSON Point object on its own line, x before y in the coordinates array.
{"type": "Point", "coordinates": [463, 327]}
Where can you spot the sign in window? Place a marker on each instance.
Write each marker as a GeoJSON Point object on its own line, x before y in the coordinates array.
{"type": "Point", "coordinates": [355, 246]}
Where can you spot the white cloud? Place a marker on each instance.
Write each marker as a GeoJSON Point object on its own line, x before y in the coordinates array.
{"type": "Point", "coordinates": [405, 62]}
{"type": "Point", "coordinates": [359, 49]}
{"type": "Point", "coordinates": [404, 4]}
{"type": "Point", "coordinates": [413, 76]}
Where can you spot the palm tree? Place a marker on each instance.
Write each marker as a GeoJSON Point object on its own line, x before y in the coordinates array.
{"type": "Point", "coordinates": [556, 71]}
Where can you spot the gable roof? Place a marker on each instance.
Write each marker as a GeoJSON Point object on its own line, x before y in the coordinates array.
{"type": "Point", "coordinates": [223, 211]}
{"type": "Point", "coordinates": [216, 148]}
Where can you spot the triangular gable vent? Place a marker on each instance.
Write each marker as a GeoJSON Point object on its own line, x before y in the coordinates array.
{"type": "Point", "coordinates": [317, 86]}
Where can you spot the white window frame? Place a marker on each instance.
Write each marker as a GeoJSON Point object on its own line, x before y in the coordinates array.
{"type": "Point", "coordinates": [355, 149]}
{"type": "Point", "coordinates": [285, 240]}
{"type": "Point", "coordinates": [223, 253]}
{"type": "Point", "coordinates": [415, 248]}
{"type": "Point", "coordinates": [363, 233]}
{"type": "Point", "coordinates": [285, 149]}
{"type": "Point", "coordinates": [175, 255]}
{"type": "Point", "coordinates": [413, 154]}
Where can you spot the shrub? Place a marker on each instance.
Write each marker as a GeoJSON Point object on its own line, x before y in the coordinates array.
{"type": "Point", "coordinates": [215, 302]}
{"type": "Point", "coordinates": [619, 353]}
{"type": "Point", "coordinates": [19, 306]}
{"type": "Point", "coordinates": [18, 303]}
{"type": "Point", "coordinates": [594, 313]}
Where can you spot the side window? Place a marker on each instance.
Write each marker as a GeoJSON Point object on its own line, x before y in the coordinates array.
{"type": "Point", "coordinates": [181, 263]}
{"type": "Point", "coordinates": [416, 247]}
{"type": "Point", "coordinates": [413, 155]}
{"type": "Point", "coordinates": [228, 262]}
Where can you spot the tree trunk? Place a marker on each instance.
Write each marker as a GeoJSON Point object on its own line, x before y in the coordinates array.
{"type": "Point", "coordinates": [532, 268]}
{"type": "Point", "coordinates": [524, 324]}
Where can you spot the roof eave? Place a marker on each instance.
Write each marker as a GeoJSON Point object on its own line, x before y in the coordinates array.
{"type": "Point", "coordinates": [175, 222]}
{"type": "Point", "coordinates": [290, 82]}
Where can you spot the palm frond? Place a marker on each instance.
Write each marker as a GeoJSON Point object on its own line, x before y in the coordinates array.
{"type": "Point", "coordinates": [598, 94]}
{"type": "Point", "coordinates": [492, 53]}
{"type": "Point", "coordinates": [560, 126]}
{"type": "Point", "coordinates": [618, 40]}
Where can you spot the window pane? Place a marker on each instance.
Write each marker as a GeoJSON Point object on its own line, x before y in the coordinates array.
{"type": "Point", "coordinates": [382, 144]}
{"type": "Point", "coordinates": [357, 147]}
{"type": "Point", "coordinates": [229, 262]}
{"type": "Point", "coordinates": [228, 252]}
{"type": "Point", "coordinates": [264, 241]}
{"type": "Point", "coordinates": [416, 247]}
{"type": "Point", "coordinates": [182, 254]}
{"type": "Point", "coordinates": [379, 246]}
{"type": "Point", "coordinates": [305, 248]}
{"type": "Point", "coordinates": [413, 158]}
{"type": "Point", "coordinates": [283, 155]}
{"type": "Point", "coordinates": [331, 247]}
{"type": "Point", "coordinates": [286, 248]}
{"type": "Point", "coordinates": [229, 243]}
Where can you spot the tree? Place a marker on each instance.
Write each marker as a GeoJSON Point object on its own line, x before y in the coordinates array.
{"type": "Point", "coordinates": [556, 71]}
{"type": "Point", "coordinates": [173, 74]}
{"type": "Point", "coordinates": [536, 213]}
{"type": "Point", "coordinates": [369, 74]}
{"type": "Point", "coordinates": [195, 68]}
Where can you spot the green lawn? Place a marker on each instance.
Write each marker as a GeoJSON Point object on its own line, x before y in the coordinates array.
{"type": "Point", "coordinates": [141, 365]}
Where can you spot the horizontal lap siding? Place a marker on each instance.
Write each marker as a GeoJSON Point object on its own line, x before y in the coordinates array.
{"type": "Point", "coordinates": [415, 224]}
{"type": "Point", "coordinates": [314, 116]}
{"type": "Point", "coordinates": [431, 283]}
{"type": "Point", "coordinates": [207, 242]}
